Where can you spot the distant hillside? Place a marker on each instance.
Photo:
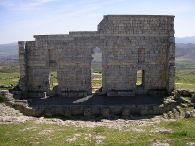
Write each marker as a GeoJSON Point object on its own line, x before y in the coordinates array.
{"type": "Point", "coordinates": [185, 40]}
{"type": "Point", "coordinates": [185, 51]}
{"type": "Point", "coordinates": [9, 53]}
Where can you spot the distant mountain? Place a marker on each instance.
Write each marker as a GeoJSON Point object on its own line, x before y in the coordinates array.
{"type": "Point", "coordinates": [185, 40]}
{"type": "Point", "coordinates": [9, 49]}
{"type": "Point", "coordinates": [9, 53]}
{"type": "Point", "coordinates": [185, 51]}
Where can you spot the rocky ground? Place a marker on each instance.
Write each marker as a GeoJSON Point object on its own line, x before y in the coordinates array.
{"type": "Point", "coordinates": [145, 126]}
{"type": "Point", "coordinates": [10, 115]}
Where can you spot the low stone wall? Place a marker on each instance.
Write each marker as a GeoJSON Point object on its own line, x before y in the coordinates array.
{"type": "Point", "coordinates": [105, 111]}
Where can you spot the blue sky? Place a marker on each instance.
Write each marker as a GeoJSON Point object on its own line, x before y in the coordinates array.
{"type": "Point", "coordinates": [21, 19]}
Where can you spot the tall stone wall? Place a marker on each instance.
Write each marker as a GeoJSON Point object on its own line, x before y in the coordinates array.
{"type": "Point", "coordinates": [126, 36]}
{"type": "Point", "coordinates": [128, 42]}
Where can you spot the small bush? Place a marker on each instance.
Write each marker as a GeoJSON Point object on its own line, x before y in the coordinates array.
{"type": "Point", "coordinates": [2, 99]}
{"type": "Point", "coordinates": [99, 129]}
{"type": "Point", "coordinates": [182, 133]}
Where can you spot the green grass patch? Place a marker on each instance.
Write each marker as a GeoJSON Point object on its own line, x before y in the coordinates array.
{"type": "Point", "coordinates": [9, 68]}
{"type": "Point", "coordinates": [184, 128]}
{"type": "Point", "coordinates": [99, 129]}
{"type": "Point", "coordinates": [96, 83]}
{"type": "Point", "coordinates": [185, 79]}
{"type": "Point", "coordinates": [185, 64]}
{"type": "Point", "coordinates": [9, 80]}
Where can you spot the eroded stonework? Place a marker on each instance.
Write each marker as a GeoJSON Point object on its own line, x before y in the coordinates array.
{"type": "Point", "coordinates": [128, 42]}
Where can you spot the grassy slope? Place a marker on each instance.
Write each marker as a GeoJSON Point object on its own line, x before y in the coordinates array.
{"type": "Point", "coordinates": [185, 74]}
{"type": "Point", "coordinates": [7, 79]}
{"type": "Point", "coordinates": [185, 80]}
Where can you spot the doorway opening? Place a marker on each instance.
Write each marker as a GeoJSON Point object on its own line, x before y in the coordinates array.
{"type": "Point", "coordinates": [96, 70]}
{"type": "Point", "coordinates": [53, 79]}
{"type": "Point", "coordinates": [140, 78]}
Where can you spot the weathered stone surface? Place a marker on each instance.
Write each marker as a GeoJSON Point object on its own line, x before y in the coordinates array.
{"type": "Point", "coordinates": [193, 98]}
{"type": "Point", "coordinates": [160, 144]}
{"type": "Point", "coordinates": [106, 112]}
{"type": "Point", "coordinates": [189, 114]}
{"type": "Point", "coordinates": [190, 144]}
{"type": "Point", "coordinates": [185, 93]}
{"type": "Point", "coordinates": [128, 42]}
{"type": "Point", "coordinates": [95, 110]}
{"type": "Point", "coordinates": [6, 95]}
{"type": "Point", "coordinates": [87, 112]}
{"type": "Point", "coordinates": [126, 112]}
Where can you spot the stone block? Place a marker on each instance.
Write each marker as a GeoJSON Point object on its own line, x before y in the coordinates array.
{"type": "Point", "coordinates": [105, 112]}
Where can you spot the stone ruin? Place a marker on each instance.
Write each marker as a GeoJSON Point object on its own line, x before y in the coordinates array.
{"type": "Point", "coordinates": [129, 43]}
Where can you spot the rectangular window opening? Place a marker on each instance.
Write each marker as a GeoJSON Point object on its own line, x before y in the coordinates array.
{"type": "Point", "coordinates": [96, 70]}
{"type": "Point", "coordinates": [141, 55]}
{"type": "Point", "coordinates": [53, 80]}
{"type": "Point", "coordinates": [140, 78]}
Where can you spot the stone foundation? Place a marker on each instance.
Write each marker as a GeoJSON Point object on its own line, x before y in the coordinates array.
{"type": "Point", "coordinates": [106, 111]}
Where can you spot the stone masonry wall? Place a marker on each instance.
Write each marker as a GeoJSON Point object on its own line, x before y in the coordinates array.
{"type": "Point", "coordinates": [128, 42]}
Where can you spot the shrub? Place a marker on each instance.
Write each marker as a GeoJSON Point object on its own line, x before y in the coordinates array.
{"type": "Point", "coordinates": [2, 99]}
{"type": "Point", "coordinates": [99, 129]}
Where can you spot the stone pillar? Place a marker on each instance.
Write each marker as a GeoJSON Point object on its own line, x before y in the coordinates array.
{"type": "Point", "coordinates": [38, 67]}
{"type": "Point", "coordinates": [171, 65]}
{"type": "Point", "coordinates": [23, 69]}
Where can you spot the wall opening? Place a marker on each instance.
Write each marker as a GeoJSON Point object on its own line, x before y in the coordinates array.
{"type": "Point", "coordinates": [140, 78]}
{"type": "Point", "coordinates": [141, 55]}
{"type": "Point", "coordinates": [96, 70]}
{"type": "Point", "coordinates": [53, 80]}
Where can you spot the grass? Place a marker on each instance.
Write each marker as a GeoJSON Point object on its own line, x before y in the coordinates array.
{"type": "Point", "coordinates": [183, 131]}
{"type": "Point", "coordinates": [185, 64]}
{"type": "Point", "coordinates": [185, 79]}
{"type": "Point", "coordinates": [97, 83]}
{"type": "Point", "coordinates": [9, 80]}
{"type": "Point", "coordinates": [9, 68]}
{"type": "Point", "coordinates": [54, 80]}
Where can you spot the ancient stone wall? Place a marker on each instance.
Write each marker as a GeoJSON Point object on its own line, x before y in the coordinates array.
{"type": "Point", "coordinates": [128, 42]}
